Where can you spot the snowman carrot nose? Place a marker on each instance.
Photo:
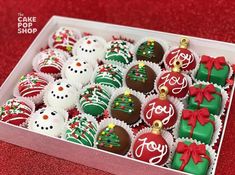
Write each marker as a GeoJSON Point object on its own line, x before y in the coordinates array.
{"type": "Point", "coordinates": [45, 117]}
{"type": "Point", "coordinates": [88, 42]}
{"type": "Point", "coordinates": [60, 88]}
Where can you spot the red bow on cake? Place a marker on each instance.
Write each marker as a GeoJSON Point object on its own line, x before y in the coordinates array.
{"type": "Point", "coordinates": [211, 62]}
{"type": "Point", "coordinates": [201, 93]}
{"type": "Point", "coordinates": [194, 151]}
{"type": "Point", "coordinates": [201, 115]}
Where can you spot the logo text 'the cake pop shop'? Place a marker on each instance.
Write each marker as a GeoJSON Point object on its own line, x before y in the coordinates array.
{"type": "Point", "coordinates": [26, 24]}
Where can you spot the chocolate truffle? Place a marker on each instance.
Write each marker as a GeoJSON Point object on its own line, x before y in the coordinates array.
{"type": "Point", "coordinates": [126, 107]}
{"type": "Point", "coordinates": [115, 139]}
{"type": "Point", "coordinates": [151, 51]}
{"type": "Point", "coordinates": [141, 78]}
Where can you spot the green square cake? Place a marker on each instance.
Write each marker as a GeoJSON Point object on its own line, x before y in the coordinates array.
{"type": "Point", "coordinates": [199, 168]}
{"type": "Point", "coordinates": [214, 105]}
{"type": "Point", "coordinates": [217, 76]}
{"type": "Point", "coordinates": [200, 132]}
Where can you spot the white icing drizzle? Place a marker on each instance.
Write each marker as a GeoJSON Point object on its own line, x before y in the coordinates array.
{"type": "Point", "coordinates": [181, 83]}
{"type": "Point", "coordinates": [151, 147]}
{"type": "Point", "coordinates": [158, 109]}
{"type": "Point", "coordinates": [187, 59]}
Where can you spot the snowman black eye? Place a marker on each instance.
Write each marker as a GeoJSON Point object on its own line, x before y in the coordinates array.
{"type": "Point", "coordinates": [53, 113]}
{"type": "Point", "coordinates": [68, 85]}
{"type": "Point", "coordinates": [93, 50]}
{"type": "Point", "coordinates": [41, 112]}
{"type": "Point", "coordinates": [86, 38]}
{"type": "Point", "coordinates": [94, 40]}
{"type": "Point", "coordinates": [58, 84]}
{"type": "Point", "coordinates": [51, 127]}
{"type": "Point", "coordinates": [84, 62]}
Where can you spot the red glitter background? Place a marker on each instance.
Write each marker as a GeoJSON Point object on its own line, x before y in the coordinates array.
{"type": "Point", "coordinates": [206, 19]}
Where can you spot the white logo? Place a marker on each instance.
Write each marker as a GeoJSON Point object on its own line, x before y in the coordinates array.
{"type": "Point", "coordinates": [25, 24]}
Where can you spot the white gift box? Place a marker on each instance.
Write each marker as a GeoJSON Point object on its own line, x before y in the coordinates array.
{"type": "Point", "coordinates": [86, 155]}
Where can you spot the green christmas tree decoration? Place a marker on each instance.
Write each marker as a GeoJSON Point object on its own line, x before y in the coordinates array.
{"type": "Point", "coordinates": [146, 49]}
{"type": "Point", "coordinates": [124, 103]}
{"type": "Point", "coordinates": [108, 138]}
{"type": "Point", "coordinates": [138, 73]}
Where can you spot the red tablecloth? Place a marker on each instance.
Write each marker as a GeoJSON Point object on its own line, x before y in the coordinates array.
{"type": "Point", "coordinates": [206, 19]}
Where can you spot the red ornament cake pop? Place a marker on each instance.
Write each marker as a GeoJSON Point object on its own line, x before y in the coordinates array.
{"type": "Point", "coordinates": [176, 82]}
{"type": "Point", "coordinates": [151, 147]}
{"type": "Point", "coordinates": [182, 53]}
{"type": "Point", "coordinates": [160, 108]}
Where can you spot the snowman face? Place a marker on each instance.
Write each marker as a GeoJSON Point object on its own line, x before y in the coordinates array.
{"type": "Point", "coordinates": [47, 121]}
{"type": "Point", "coordinates": [91, 48]}
{"type": "Point", "coordinates": [78, 72]}
{"type": "Point", "coordinates": [61, 94]}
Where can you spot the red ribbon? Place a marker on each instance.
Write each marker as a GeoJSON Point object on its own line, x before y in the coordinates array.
{"type": "Point", "coordinates": [194, 151]}
{"type": "Point", "coordinates": [202, 116]}
{"type": "Point", "coordinates": [201, 93]}
{"type": "Point", "coordinates": [211, 62]}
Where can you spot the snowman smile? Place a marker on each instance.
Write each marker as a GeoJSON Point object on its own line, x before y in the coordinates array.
{"type": "Point", "coordinates": [86, 49]}
{"type": "Point", "coordinates": [43, 127]}
{"type": "Point", "coordinates": [72, 69]}
{"type": "Point", "coordinates": [59, 96]}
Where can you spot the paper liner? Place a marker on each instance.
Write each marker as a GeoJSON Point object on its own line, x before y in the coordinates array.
{"type": "Point", "coordinates": [165, 134]}
{"type": "Point", "coordinates": [226, 86]}
{"type": "Point", "coordinates": [155, 67]}
{"type": "Point", "coordinates": [61, 111]}
{"type": "Point", "coordinates": [38, 57]}
{"type": "Point", "coordinates": [223, 93]}
{"type": "Point", "coordinates": [163, 43]}
{"type": "Point", "coordinates": [38, 98]}
{"type": "Point", "coordinates": [105, 122]}
{"type": "Point", "coordinates": [216, 134]}
{"type": "Point", "coordinates": [77, 33]}
{"type": "Point", "coordinates": [96, 70]}
{"type": "Point", "coordinates": [189, 80]}
{"type": "Point", "coordinates": [120, 91]}
{"type": "Point", "coordinates": [197, 58]}
{"type": "Point", "coordinates": [47, 89]}
{"type": "Point", "coordinates": [88, 117]}
{"type": "Point", "coordinates": [213, 155]}
{"type": "Point", "coordinates": [117, 62]}
{"type": "Point", "coordinates": [108, 89]}
{"type": "Point", "coordinates": [77, 84]}
{"type": "Point", "coordinates": [179, 106]}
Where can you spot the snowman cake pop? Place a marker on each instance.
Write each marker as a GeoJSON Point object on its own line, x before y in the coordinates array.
{"type": "Point", "coordinates": [60, 94]}
{"type": "Point", "coordinates": [91, 48]}
{"type": "Point", "coordinates": [49, 121]}
{"type": "Point", "coordinates": [77, 71]}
